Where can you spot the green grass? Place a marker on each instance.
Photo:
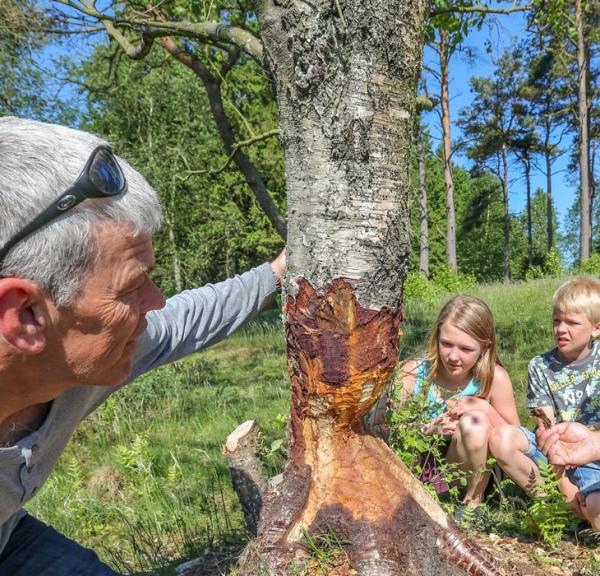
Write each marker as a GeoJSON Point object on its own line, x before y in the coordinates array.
{"type": "Point", "coordinates": [144, 481]}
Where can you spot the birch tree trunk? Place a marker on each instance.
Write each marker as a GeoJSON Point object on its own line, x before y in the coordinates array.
{"type": "Point", "coordinates": [585, 228]}
{"type": "Point", "coordinates": [423, 218]}
{"type": "Point", "coordinates": [345, 74]}
{"type": "Point", "coordinates": [447, 152]}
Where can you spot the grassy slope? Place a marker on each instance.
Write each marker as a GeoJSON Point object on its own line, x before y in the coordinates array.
{"type": "Point", "coordinates": [144, 481]}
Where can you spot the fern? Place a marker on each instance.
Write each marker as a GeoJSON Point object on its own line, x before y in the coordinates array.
{"type": "Point", "coordinates": [136, 458]}
{"type": "Point", "coordinates": [75, 473]}
{"type": "Point", "coordinates": [549, 514]}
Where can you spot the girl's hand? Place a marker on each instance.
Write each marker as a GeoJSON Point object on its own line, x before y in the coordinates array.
{"type": "Point", "coordinates": [459, 406]}
{"type": "Point", "coordinates": [444, 424]}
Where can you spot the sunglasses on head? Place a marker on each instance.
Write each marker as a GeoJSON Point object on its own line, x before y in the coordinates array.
{"type": "Point", "coordinates": [101, 177]}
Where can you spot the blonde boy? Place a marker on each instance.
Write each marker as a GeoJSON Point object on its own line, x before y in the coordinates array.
{"type": "Point", "coordinates": [564, 383]}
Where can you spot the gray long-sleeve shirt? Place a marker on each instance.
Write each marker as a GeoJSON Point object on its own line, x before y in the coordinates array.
{"type": "Point", "coordinates": [190, 321]}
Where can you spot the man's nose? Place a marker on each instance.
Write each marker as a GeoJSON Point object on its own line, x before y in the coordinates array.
{"type": "Point", "coordinates": [154, 300]}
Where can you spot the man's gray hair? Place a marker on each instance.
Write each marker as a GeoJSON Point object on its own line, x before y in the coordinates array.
{"type": "Point", "coordinates": [38, 162]}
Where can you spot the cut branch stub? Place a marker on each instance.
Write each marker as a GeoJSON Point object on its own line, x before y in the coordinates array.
{"type": "Point", "coordinates": [247, 477]}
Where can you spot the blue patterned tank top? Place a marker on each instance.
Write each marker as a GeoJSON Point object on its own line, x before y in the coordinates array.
{"type": "Point", "coordinates": [436, 406]}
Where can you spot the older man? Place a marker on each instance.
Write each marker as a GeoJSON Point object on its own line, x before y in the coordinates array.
{"type": "Point", "coordinates": [80, 316]}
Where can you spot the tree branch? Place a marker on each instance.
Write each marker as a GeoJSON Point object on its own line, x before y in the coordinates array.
{"type": "Point", "coordinates": [215, 31]}
{"type": "Point", "coordinates": [479, 9]}
{"type": "Point", "coordinates": [215, 100]}
{"type": "Point", "coordinates": [237, 146]}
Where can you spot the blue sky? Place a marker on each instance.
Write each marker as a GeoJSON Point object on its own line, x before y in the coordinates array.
{"type": "Point", "coordinates": [503, 31]}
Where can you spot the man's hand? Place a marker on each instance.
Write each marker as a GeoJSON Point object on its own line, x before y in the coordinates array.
{"type": "Point", "coordinates": [569, 444]}
{"type": "Point", "coordinates": [278, 265]}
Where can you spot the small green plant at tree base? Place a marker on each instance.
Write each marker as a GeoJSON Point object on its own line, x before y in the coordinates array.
{"type": "Point", "coordinates": [326, 549]}
{"type": "Point", "coordinates": [419, 449]}
{"type": "Point", "coordinates": [549, 514]}
{"type": "Point", "coordinates": [595, 565]}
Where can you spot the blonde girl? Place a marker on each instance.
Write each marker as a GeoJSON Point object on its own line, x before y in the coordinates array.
{"type": "Point", "coordinates": [469, 392]}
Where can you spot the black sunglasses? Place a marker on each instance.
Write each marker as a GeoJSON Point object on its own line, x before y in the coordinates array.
{"type": "Point", "coordinates": [101, 177]}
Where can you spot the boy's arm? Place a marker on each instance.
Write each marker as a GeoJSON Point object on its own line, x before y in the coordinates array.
{"type": "Point", "coordinates": [538, 395]}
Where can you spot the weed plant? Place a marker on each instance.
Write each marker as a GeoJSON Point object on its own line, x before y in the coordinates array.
{"type": "Point", "coordinates": [327, 552]}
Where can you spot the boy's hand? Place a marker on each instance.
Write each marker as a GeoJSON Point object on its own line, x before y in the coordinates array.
{"type": "Point", "coordinates": [568, 444]}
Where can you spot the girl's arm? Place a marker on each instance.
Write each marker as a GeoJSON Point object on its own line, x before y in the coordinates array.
{"type": "Point", "coordinates": [407, 378]}
{"type": "Point", "coordinates": [502, 397]}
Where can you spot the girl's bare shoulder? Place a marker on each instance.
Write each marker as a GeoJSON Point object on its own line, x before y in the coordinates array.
{"type": "Point", "coordinates": [501, 375]}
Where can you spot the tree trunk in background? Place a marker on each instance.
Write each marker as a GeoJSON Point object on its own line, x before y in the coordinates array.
{"type": "Point", "coordinates": [527, 164]}
{"type": "Point", "coordinates": [345, 75]}
{"type": "Point", "coordinates": [585, 228]}
{"type": "Point", "coordinates": [174, 253]}
{"type": "Point", "coordinates": [549, 200]}
{"type": "Point", "coordinates": [169, 221]}
{"type": "Point", "coordinates": [506, 213]}
{"type": "Point", "coordinates": [423, 220]}
{"type": "Point", "coordinates": [447, 151]}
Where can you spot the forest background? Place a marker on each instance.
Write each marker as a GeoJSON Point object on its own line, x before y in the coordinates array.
{"type": "Point", "coordinates": [478, 208]}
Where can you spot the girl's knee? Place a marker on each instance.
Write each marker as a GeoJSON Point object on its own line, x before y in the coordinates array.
{"type": "Point", "coordinates": [475, 429]}
{"type": "Point", "coordinates": [475, 403]}
{"type": "Point", "coordinates": [502, 442]}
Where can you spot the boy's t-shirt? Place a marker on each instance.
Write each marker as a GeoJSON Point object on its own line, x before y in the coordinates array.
{"type": "Point", "coordinates": [572, 389]}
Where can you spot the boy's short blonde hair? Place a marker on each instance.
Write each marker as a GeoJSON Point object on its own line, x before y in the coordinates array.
{"type": "Point", "coordinates": [580, 295]}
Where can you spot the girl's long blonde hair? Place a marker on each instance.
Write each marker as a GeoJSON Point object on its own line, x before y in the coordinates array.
{"type": "Point", "coordinates": [472, 316]}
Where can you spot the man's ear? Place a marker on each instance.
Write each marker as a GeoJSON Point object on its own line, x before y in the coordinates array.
{"type": "Point", "coordinates": [22, 315]}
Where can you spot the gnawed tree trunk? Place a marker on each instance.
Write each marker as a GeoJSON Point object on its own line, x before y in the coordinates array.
{"type": "Point", "coordinates": [345, 75]}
